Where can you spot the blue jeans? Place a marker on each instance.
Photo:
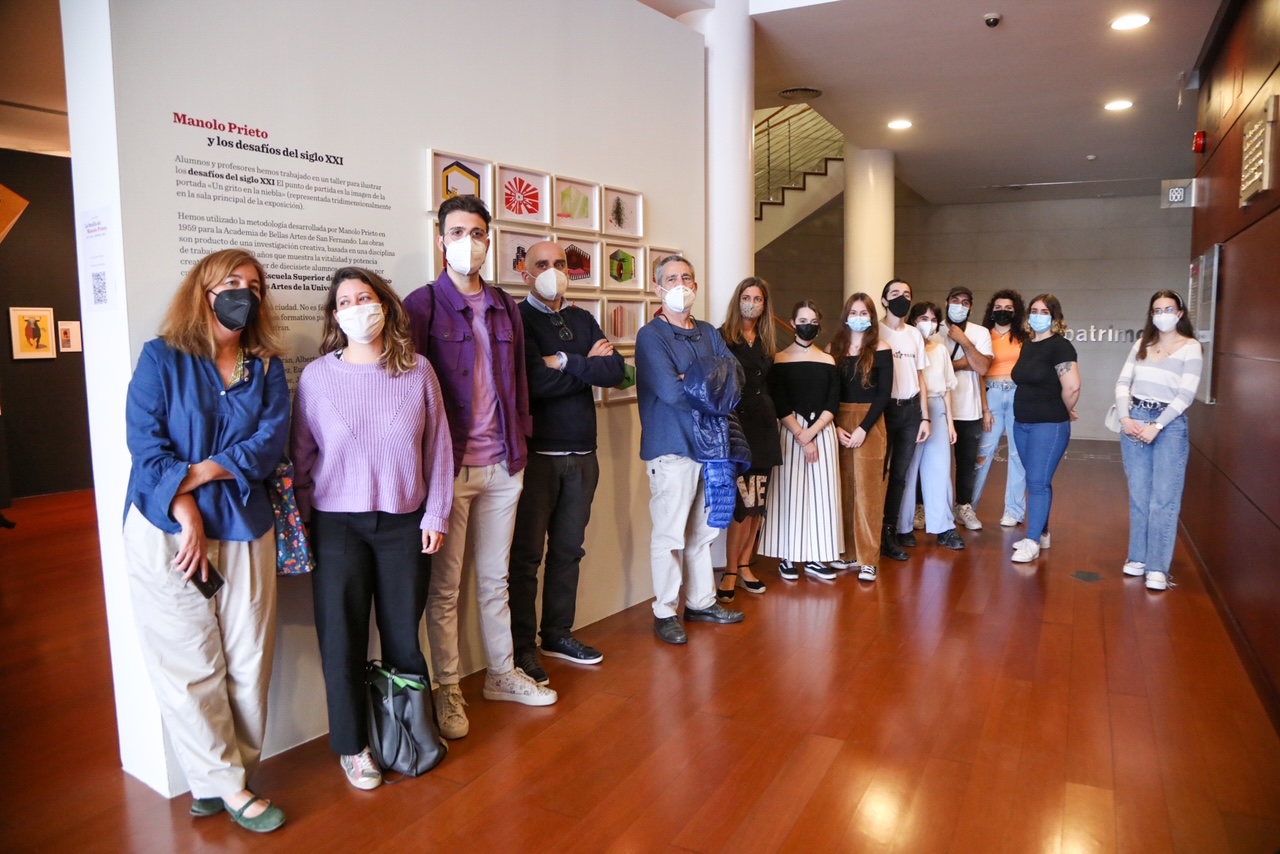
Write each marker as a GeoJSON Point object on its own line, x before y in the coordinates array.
{"type": "Point", "coordinates": [1041, 447]}
{"type": "Point", "coordinates": [1156, 473]}
{"type": "Point", "coordinates": [1000, 402]}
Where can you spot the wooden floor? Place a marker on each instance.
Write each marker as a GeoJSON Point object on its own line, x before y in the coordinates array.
{"type": "Point", "coordinates": [958, 704]}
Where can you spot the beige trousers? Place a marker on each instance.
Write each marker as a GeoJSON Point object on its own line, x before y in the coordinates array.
{"type": "Point", "coordinates": [483, 518]}
{"type": "Point", "coordinates": [209, 659]}
{"type": "Point", "coordinates": [680, 545]}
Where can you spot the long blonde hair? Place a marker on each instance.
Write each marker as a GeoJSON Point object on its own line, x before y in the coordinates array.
{"type": "Point", "coordinates": [397, 345]}
{"type": "Point", "coordinates": [732, 328]}
{"type": "Point", "coordinates": [188, 324]}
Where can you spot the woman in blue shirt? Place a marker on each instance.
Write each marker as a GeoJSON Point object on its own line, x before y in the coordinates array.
{"type": "Point", "coordinates": [207, 419]}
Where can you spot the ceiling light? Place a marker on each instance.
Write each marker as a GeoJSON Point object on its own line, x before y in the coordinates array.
{"type": "Point", "coordinates": [1118, 105]}
{"type": "Point", "coordinates": [799, 93]}
{"type": "Point", "coordinates": [900, 124]}
{"type": "Point", "coordinates": [1130, 22]}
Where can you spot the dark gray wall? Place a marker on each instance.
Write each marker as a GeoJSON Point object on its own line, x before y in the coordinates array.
{"type": "Point", "coordinates": [45, 420]}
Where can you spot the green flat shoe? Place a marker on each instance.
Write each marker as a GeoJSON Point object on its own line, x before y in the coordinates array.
{"type": "Point", "coordinates": [270, 819]}
{"type": "Point", "coordinates": [205, 807]}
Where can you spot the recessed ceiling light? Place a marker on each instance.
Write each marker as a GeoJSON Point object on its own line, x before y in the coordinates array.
{"type": "Point", "coordinates": [1118, 105]}
{"type": "Point", "coordinates": [800, 93]}
{"type": "Point", "coordinates": [1130, 22]}
{"type": "Point", "coordinates": [899, 124]}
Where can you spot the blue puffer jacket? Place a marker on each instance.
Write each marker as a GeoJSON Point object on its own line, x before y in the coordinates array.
{"type": "Point", "coordinates": [713, 387]}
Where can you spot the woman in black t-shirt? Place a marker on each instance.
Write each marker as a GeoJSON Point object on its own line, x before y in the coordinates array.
{"type": "Point", "coordinates": [1044, 405]}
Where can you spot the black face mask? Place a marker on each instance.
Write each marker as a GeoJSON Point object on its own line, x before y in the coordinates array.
{"type": "Point", "coordinates": [899, 306]}
{"type": "Point", "coordinates": [1002, 318]}
{"type": "Point", "coordinates": [236, 308]}
{"type": "Point", "coordinates": [807, 331]}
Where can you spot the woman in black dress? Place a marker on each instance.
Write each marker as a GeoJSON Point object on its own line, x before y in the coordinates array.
{"type": "Point", "coordinates": [749, 334]}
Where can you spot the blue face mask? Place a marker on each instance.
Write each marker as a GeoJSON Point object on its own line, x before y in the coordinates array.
{"type": "Point", "coordinates": [1040, 322]}
{"type": "Point", "coordinates": [858, 324]}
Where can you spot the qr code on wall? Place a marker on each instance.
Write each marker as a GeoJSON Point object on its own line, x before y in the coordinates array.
{"type": "Point", "coordinates": [99, 279]}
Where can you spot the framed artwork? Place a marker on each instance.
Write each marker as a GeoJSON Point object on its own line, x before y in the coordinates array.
{"type": "Point", "coordinates": [508, 250]}
{"type": "Point", "coordinates": [624, 266]}
{"type": "Point", "coordinates": [614, 395]}
{"type": "Point", "coordinates": [437, 256]}
{"type": "Point", "coordinates": [623, 318]}
{"type": "Point", "coordinates": [33, 333]}
{"type": "Point", "coordinates": [593, 306]}
{"type": "Point", "coordinates": [623, 212]}
{"type": "Point", "coordinates": [576, 205]}
{"type": "Point", "coordinates": [584, 258]}
{"type": "Point", "coordinates": [457, 175]}
{"type": "Point", "coordinates": [655, 305]}
{"type": "Point", "coordinates": [69, 336]}
{"type": "Point", "coordinates": [656, 255]}
{"type": "Point", "coordinates": [523, 195]}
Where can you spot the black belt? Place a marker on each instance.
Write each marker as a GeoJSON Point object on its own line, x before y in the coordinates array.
{"type": "Point", "coordinates": [915, 398]}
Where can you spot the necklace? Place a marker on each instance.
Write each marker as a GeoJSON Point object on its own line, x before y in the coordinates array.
{"type": "Point", "coordinates": [805, 344]}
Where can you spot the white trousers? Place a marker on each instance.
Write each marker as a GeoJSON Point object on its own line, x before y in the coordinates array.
{"type": "Point", "coordinates": [680, 547]}
{"type": "Point", "coordinates": [483, 517]}
{"type": "Point", "coordinates": [209, 659]}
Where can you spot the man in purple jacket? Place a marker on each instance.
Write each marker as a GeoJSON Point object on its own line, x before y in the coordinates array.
{"type": "Point", "coordinates": [473, 336]}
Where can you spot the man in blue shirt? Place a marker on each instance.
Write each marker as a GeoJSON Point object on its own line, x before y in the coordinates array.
{"type": "Point", "coordinates": [566, 354]}
{"type": "Point", "coordinates": [681, 539]}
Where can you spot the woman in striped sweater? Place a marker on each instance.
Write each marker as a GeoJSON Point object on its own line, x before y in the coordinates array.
{"type": "Point", "coordinates": [1156, 385]}
{"type": "Point", "coordinates": [375, 480]}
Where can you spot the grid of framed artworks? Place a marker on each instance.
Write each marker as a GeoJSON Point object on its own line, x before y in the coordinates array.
{"type": "Point", "coordinates": [600, 228]}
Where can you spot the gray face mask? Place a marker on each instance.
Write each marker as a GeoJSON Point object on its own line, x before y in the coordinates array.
{"type": "Point", "coordinates": [751, 310]}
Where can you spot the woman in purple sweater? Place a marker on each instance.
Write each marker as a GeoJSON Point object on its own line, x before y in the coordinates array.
{"type": "Point", "coordinates": [375, 482]}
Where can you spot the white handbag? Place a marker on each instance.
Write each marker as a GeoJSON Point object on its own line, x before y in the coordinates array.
{"type": "Point", "coordinates": [1112, 419]}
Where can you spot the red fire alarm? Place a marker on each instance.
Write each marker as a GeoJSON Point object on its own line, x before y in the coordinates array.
{"type": "Point", "coordinates": [1197, 142]}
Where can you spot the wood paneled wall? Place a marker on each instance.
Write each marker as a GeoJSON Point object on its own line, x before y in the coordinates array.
{"type": "Point", "coordinates": [1231, 508]}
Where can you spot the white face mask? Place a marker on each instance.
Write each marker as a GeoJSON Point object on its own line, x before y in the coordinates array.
{"type": "Point", "coordinates": [679, 299]}
{"type": "Point", "coordinates": [362, 323]}
{"type": "Point", "coordinates": [927, 327]}
{"type": "Point", "coordinates": [466, 256]}
{"type": "Point", "coordinates": [550, 283]}
{"type": "Point", "coordinates": [751, 310]}
{"type": "Point", "coordinates": [1165, 322]}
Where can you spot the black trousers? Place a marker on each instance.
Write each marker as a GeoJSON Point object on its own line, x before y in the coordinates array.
{"type": "Point", "coordinates": [553, 512]}
{"type": "Point", "coordinates": [364, 558]}
{"type": "Point", "coordinates": [902, 425]}
{"type": "Point", "coordinates": [968, 435]}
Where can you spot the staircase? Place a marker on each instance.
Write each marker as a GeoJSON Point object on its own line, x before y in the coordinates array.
{"type": "Point", "coordinates": [799, 168]}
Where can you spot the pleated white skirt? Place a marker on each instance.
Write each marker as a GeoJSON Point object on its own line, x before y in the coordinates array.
{"type": "Point", "coordinates": [802, 508]}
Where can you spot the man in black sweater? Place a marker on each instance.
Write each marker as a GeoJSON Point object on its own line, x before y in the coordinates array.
{"type": "Point", "coordinates": [566, 354]}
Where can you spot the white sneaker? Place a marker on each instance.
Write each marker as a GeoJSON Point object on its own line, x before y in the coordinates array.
{"type": "Point", "coordinates": [362, 772]}
{"type": "Point", "coordinates": [1025, 551]}
{"type": "Point", "coordinates": [964, 512]}
{"type": "Point", "coordinates": [842, 564]}
{"type": "Point", "coordinates": [919, 522]}
{"type": "Point", "coordinates": [866, 573]}
{"type": "Point", "coordinates": [453, 720]}
{"type": "Point", "coordinates": [1044, 540]}
{"type": "Point", "coordinates": [1135, 567]}
{"type": "Point", "coordinates": [516, 686]}
{"type": "Point", "coordinates": [1157, 581]}
{"type": "Point", "coordinates": [1008, 521]}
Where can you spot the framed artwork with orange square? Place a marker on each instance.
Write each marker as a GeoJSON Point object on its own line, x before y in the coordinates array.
{"type": "Point", "coordinates": [34, 334]}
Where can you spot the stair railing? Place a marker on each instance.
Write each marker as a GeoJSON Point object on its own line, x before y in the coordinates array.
{"type": "Point", "coordinates": [789, 142]}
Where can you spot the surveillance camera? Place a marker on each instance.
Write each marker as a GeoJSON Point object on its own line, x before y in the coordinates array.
{"type": "Point", "coordinates": [992, 19]}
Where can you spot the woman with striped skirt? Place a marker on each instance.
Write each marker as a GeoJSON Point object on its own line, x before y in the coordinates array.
{"type": "Point", "coordinates": [802, 510]}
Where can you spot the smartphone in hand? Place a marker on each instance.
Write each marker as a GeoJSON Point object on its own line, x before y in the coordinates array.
{"type": "Point", "coordinates": [210, 587]}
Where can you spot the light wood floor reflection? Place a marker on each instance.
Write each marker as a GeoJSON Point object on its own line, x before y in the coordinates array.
{"type": "Point", "coordinates": [957, 704]}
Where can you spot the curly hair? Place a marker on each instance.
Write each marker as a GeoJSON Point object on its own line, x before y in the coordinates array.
{"type": "Point", "coordinates": [1016, 330]}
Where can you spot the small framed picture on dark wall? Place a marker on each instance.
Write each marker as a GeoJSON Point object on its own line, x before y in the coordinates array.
{"type": "Point", "coordinates": [33, 333]}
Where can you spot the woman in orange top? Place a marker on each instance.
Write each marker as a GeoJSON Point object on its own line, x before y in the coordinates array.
{"type": "Point", "coordinates": [1005, 313]}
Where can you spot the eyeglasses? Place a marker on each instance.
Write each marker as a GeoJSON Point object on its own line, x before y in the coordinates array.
{"type": "Point", "coordinates": [1168, 309]}
{"type": "Point", "coordinates": [565, 333]}
{"type": "Point", "coordinates": [458, 232]}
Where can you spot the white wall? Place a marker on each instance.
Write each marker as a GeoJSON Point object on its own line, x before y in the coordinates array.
{"type": "Point", "coordinates": [602, 90]}
{"type": "Point", "coordinates": [1103, 258]}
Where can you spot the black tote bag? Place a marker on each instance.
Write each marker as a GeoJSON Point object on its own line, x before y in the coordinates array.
{"type": "Point", "coordinates": [403, 735]}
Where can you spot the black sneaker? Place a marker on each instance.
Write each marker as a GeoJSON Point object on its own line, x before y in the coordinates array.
{"type": "Point", "coordinates": [951, 540]}
{"type": "Point", "coordinates": [788, 571]}
{"type": "Point", "coordinates": [571, 649]}
{"type": "Point", "coordinates": [889, 545]}
{"type": "Point", "coordinates": [528, 662]}
{"type": "Point", "coordinates": [908, 539]}
{"type": "Point", "coordinates": [670, 630]}
{"type": "Point", "coordinates": [820, 570]}
{"type": "Point", "coordinates": [717, 613]}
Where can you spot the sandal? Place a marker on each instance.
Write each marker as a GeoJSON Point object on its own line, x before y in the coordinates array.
{"type": "Point", "coordinates": [268, 820]}
{"type": "Point", "coordinates": [752, 585]}
{"type": "Point", "coordinates": [205, 807]}
{"type": "Point", "coordinates": [727, 595]}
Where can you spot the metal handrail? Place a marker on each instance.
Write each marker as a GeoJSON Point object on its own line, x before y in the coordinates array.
{"type": "Point", "coordinates": [789, 142]}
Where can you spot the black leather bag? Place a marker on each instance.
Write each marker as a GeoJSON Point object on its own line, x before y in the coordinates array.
{"type": "Point", "coordinates": [403, 734]}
